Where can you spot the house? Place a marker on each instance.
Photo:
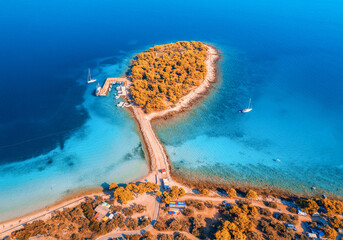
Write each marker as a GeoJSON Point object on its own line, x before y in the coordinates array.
{"type": "Point", "coordinates": [177, 204]}
{"type": "Point", "coordinates": [101, 211]}
{"type": "Point", "coordinates": [163, 171]}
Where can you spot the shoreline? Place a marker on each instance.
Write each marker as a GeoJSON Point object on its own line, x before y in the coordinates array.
{"type": "Point", "coordinates": [217, 182]}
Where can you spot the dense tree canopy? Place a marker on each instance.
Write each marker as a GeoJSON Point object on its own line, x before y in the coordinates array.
{"type": "Point", "coordinates": [165, 73]}
{"type": "Point", "coordinates": [308, 205]}
{"type": "Point", "coordinates": [331, 206]}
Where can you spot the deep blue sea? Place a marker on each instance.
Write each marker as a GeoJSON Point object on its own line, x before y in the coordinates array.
{"type": "Point", "coordinates": [56, 137]}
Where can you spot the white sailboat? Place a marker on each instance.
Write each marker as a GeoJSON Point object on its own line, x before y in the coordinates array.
{"type": "Point", "coordinates": [89, 78]}
{"type": "Point", "coordinates": [246, 109]}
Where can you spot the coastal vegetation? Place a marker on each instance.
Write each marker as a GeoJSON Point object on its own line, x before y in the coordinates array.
{"type": "Point", "coordinates": [175, 192]}
{"type": "Point", "coordinates": [236, 219]}
{"type": "Point", "coordinates": [204, 192]}
{"type": "Point", "coordinates": [239, 220]}
{"type": "Point", "coordinates": [165, 73]}
{"type": "Point", "coordinates": [231, 192]}
{"type": "Point", "coordinates": [251, 194]}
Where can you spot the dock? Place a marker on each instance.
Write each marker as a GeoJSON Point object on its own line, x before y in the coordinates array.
{"type": "Point", "coordinates": [109, 81]}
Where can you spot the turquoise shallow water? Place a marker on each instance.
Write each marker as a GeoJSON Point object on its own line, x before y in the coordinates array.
{"type": "Point", "coordinates": [94, 154]}
{"type": "Point", "coordinates": [290, 121]}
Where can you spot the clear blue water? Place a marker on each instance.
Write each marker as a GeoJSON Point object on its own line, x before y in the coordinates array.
{"type": "Point", "coordinates": [286, 56]}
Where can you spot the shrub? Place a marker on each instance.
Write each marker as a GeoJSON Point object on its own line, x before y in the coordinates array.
{"type": "Point", "coordinates": [145, 222]}
{"type": "Point", "coordinates": [199, 206]}
{"type": "Point", "coordinates": [180, 236]}
{"type": "Point", "coordinates": [283, 217]}
{"type": "Point", "coordinates": [292, 209]}
{"type": "Point", "coordinates": [113, 185]}
{"type": "Point", "coordinates": [279, 227]}
{"type": "Point", "coordinates": [176, 192]}
{"type": "Point", "coordinates": [336, 222]}
{"type": "Point", "coordinates": [187, 212]}
{"type": "Point", "coordinates": [165, 237]}
{"type": "Point", "coordinates": [122, 194]}
{"type": "Point", "coordinates": [254, 236]}
{"type": "Point", "coordinates": [286, 234]}
{"type": "Point", "coordinates": [139, 208]}
{"type": "Point", "coordinates": [330, 233]}
{"type": "Point", "coordinates": [158, 193]}
{"type": "Point", "coordinates": [174, 225]}
{"type": "Point", "coordinates": [272, 205]}
{"type": "Point", "coordinates": [116, 208]}
{"type": "Point", "coordinates": [128, 212]}
{"type": "Point", "coordinates": [147, 235]}
{"type": "Point", "coordinates": [208, 204]}
{"type": "Point", "coordinates": [251, 194]}
{"type": "Point", "coordinates": [119, 220]}
{"type": "Point", "coordinates": [197, 228]}
{"type": "Point", "coordinates": [308, 205]}
{"type": "Point", "coordinates": [332, 206]}
{"type": "Point", "coordinates": [204, 192]}
{"type": "Point", "coordinates": [160, 226]}
{"type": "Point", "coordinates": [265, 211]}
{"type": "Point", "coordinates": [132, 223]}
{"type": "Point", "coordinates": [232, 193]}
{"type": "Point", "coordinates": [133, 237]}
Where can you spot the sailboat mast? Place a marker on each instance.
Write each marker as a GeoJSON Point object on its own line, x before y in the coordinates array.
{"type": "Point", "coordinates": [249, 103]}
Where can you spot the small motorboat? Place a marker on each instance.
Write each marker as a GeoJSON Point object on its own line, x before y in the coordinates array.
{"type": "Point", "coordinates": [121, 104]}
{"type": "Point", "coordinates": [98, 90]}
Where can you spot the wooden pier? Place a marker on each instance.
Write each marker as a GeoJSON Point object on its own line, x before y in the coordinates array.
{"type": "Point", "coordinates": [105, 88]}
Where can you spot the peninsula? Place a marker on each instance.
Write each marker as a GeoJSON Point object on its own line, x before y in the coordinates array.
{"type": "Point", "coordinates": [162, 81]}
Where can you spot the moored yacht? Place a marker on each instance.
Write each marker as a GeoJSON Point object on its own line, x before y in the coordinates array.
{"type": "Point", "coordinates": [89, 78]}
{"type": "Point", "coordinates": [248, 109]}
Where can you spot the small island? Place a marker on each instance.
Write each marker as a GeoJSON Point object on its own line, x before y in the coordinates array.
{"type": "Point", "coordinates": [165, 80]}
{"type": "Point", "coordinates": [165, 73]}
